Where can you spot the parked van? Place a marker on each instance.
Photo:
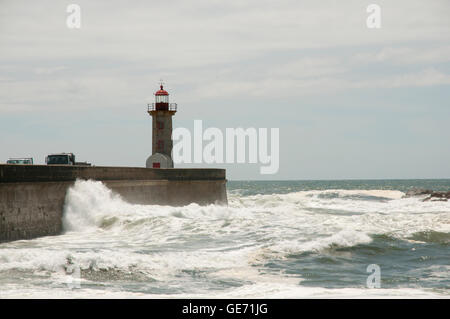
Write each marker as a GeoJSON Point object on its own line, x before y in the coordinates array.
{"type": "Point", "coordinates": [28, 161]}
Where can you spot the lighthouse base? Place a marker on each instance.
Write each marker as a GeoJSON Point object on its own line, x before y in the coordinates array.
{"type": "Point", "coordinates": [159, 160]}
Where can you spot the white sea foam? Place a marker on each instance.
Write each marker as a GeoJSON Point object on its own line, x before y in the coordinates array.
{"type": "Point", "coordinates": [166, 244]}
{"type": "Point", "coordinates": [266, 290]}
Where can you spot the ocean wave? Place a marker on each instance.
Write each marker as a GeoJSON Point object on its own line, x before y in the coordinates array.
{"type": "Point", "coordinates": [215, 245]}
{"type": "Point", "coordinates": [90, 206]}
{"type": "Point", "coordinates": [430, 236]}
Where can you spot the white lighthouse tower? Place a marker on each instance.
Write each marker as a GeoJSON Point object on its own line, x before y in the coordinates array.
{"type": "Point", "coordinates": [161, 112]}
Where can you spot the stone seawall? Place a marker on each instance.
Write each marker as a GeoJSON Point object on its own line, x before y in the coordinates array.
{"type": "Point", "coordinates": [32, 196]}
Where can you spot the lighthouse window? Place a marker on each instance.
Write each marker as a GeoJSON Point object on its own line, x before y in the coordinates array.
{"type": "Point", "coordinates": [162, 99]}
{"type": "Point", "coordinates": [160, 145]}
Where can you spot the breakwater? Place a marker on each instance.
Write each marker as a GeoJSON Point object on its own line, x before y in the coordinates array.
{"type": "Point", "coordinates": [32, 196]}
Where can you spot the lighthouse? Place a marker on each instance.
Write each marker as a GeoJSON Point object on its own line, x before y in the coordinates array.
{"type": "Point", "coordinates": [161, 112]}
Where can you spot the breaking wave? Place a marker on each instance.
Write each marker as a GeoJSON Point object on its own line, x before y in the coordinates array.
{"type": "Point", "coordinates": [197, 249]}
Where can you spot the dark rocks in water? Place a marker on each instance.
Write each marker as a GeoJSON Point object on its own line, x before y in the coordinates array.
{"type": "Point", "coordinates": [418, 192]}
{"type": "Point", "coordinates": [438, 196]}
{"type": "Point", "coordinates": [432, 195]}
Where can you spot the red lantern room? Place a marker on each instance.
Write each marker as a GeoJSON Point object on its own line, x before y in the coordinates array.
{"type": "Point", "coordinates": [162, 102]}
{"type": "Point", "coordinates": [161, 96]}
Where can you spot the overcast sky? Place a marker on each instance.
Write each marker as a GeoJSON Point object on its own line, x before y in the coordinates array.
{"type": "Point", "coordinates": [350, 102]}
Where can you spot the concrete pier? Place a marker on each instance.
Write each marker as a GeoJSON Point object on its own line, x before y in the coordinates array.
{"type": "Point", "coordinates": [32, 196]}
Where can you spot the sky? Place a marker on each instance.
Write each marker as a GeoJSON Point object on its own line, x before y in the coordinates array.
{"type": "Point", "coordinates": [350, 102]}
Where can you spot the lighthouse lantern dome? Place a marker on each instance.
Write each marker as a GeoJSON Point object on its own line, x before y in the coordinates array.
{"type": "Point", "coordinates": [161, 96]}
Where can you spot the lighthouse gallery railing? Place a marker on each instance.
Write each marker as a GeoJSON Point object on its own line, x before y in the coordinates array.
{"type": "Point", "coordinates": [161, 107]}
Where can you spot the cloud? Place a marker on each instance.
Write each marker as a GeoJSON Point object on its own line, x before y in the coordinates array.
{"type": "Point", "coordinates": [428, 77]}
{"type": "Point", "coordinates": [48, 70]}
{"type": "Point", "coordinates": [218, 57]}
{"type": "Point", "coordinates": [189, 33]}
{"type": "Point", "coordinates": [406, 55]}
{"type": "Point", "coordinates": [214, 49]}
{"type": "Point", "coordinates": [273, 87]}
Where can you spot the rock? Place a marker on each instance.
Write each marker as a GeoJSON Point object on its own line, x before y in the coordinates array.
{"type": "Point", "coordinates": [432, 195]}
{"type": "Point", "coordinates": [434, 199]}
{"type": "Point", "coordinates": [438, 196]}
{"type": "Point", "coordinates": [418, 192]}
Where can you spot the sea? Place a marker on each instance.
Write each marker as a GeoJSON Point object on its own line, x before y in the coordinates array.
{"type": "Point", "coordinates": [274, 239]}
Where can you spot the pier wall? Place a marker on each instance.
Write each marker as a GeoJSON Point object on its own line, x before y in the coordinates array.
{"type": "Point", "coordinates": [32, 196]}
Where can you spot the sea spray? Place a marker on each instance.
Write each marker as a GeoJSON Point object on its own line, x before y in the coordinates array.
{"type": "Point", "coordinates": [289, 244]}
{"type": "Point", "coordinates": [87, 203]}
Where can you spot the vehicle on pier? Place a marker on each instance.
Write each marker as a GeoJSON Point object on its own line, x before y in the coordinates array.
{"type": "Point", "coordinates": [27, 161]}
{"type": "Point", "coordinates": [64, 159]}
